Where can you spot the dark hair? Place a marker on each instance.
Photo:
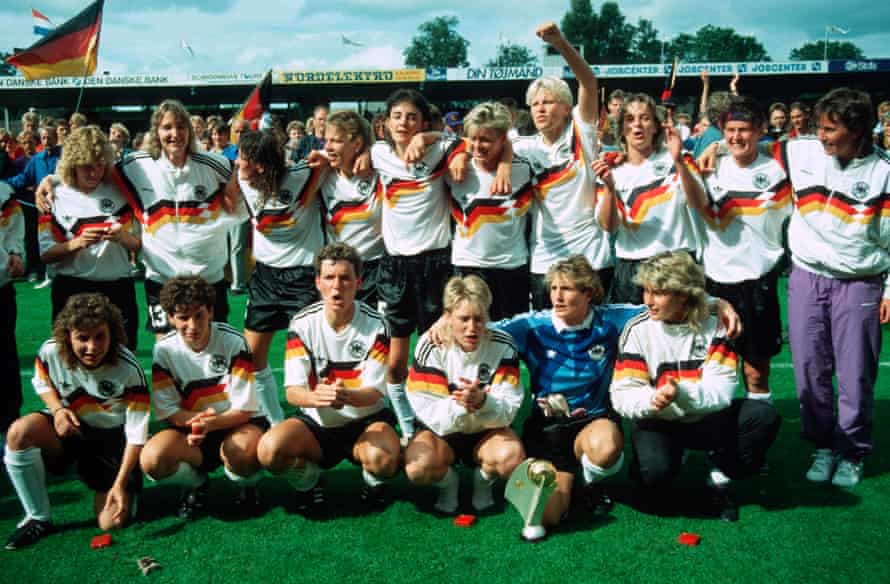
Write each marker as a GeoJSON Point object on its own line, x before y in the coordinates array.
{"type": "Point", "coordinates": [264, 148]}
{"type": "Point", "coordinates": [743, 109]}
{"type": "Point", "coordinates": [336, 252]}
{"type": "Point", "coordinates": [617, 94]}
{"type": "Point", "coordinates": [414, 98]}
{"type": "Point", "coordinates": [84, 312]}
{"type": "Point", "coordinates": [184, 291]}
{"type": "Point", "coordinates": [853, 109]}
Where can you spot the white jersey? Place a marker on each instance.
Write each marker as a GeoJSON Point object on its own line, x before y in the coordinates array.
{"type": "Point", "coordinates": [287, 227]}
{"type": "Point", "coordinates": [650, 353]}
{"type": "Point", "coordinates": [564, 220]}
{"type": "Point", "coordinates": [652, 211]}
{"type": "Point", "coordinates": [490, 229]}
{"type": "Point", "coordinates": [72, 213]}
{"type": "Point", "coordinates": [354, 212]}
{"type": "Point", "coordinates": [747, 207]}
{"type": "Point", "coordinates": [416, 205]}
{"type": "Point", "coordinates": [109, 396]}
{"type": "Point", "coordinates": [356, 355]}
{"type": "Point", "coordinates": [12, 230]}
{"type": "Point", "coordinates": [436, 371]}
{"type": "Point", "coordinates": [184, 227]}
{"type": "Point", "coordinates": [219, 377]}
{"type": "Point", "coordinates": [841, 227]}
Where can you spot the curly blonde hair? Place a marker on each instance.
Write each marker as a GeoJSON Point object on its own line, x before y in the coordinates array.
{"type": "Point", "coordinates": [488, 115]}
{"type": "Point", "coordinates": [579, 272]}
{"type": "Point", "coordinates": [86, 145]}
{"type": "Point", "coordinates": [677, 272]}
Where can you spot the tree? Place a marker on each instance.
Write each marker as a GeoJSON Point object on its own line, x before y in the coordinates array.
{"type": "Point", "coordinates": [816, 51]}
{"type": "Point", "coordinates": [646, 46]}
{"type": "Point", "coordinates": [437, 44]}
{"type": "Point", "coordinates": [606, 37]}
{"type": "Point", "coordinates": [510, 55]}
{"type": "Point", "coordinates": [5, 68]}
{"type": "Point", "coordinates": [716, 44]}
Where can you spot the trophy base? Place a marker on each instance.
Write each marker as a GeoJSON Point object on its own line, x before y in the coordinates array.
{"type": "Point", "coordinates": [533, 533]}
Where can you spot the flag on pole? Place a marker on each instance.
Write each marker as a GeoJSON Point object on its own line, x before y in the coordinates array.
{"type": "Point", "coordinates": [255, 104]}
{"type": "Point", "coordinates": [836, 29]}
{"type": "Point", "coordinates": [671, 81]}
{"type": "Point", "coordinates": [71, 50]}
{"type": "Point", "coordinates": [42, 25]}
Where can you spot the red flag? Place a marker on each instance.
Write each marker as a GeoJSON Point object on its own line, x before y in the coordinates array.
{"type": "Point", "coordinates": [71, 50]}
{"type": "Point", "coordinates": [670, 81]}
{"type": "Point", "coordinates": [256, 103]}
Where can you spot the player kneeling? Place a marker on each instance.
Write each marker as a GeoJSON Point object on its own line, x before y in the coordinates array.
{"type": "Point", "coordinates": [97, 415]}
{"type": "Point", "coordinates": [203, 387]}
{"type": "Point", "coordinates": [465, 394]}
{"type": "Point", "coordinates": [335, 370]}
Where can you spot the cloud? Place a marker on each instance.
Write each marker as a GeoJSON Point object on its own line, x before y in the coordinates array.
{"type": "Point", "coordinates": [387, 57]}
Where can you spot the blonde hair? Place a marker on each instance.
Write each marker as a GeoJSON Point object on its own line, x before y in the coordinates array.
{"type": "Point", "coordinates": [578, 270]}
{"type": "Point", "coordinates": [123, 130]}
{"type": "Point", "coordinates": [559, 88]}
{"type": "Point", "coordinates": [352, 124]}
{"type": "Point", "coordinates": [86, 145]}
{"type": "Point", "coordinates": [77, 119]}
{"type": "Point", "coordinates": [470, 288]}
{"type": "Point", "coordinates": [181, 115]}
{"type": "Point", "coordinates": [677, 272]}
{"type": "Point", "coordinates": [489, 115]}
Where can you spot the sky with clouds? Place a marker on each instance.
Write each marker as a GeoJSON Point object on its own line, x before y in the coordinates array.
{"type": "Point", "coordinates": [253, 35]}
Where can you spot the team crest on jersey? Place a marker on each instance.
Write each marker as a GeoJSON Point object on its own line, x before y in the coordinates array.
{"type": "Point", "coordinates": [761, 181]}
{"type": "Point", "coordinates": [357, 349]}
{"type": "Point", "coordinates": [484, 374]}
{"type": "Point", "coordinates": [106, 205]}
{"type": "Point", "coordinates": [699, 349]}
{"type": "Point", "coordinates": [860, 189]}
{"type": "Point", "coordinates": [106, 388]}
{"type": "Point", "coordinates": [564, 151]}
{"type": "Point", "coordinates": [200, 192]}
{"type": "Point", "coordinates": [420, 169]}
{"type": "Point", "coordinates": [660, 169]}
{"type": "Point", "coordinates": [364, 187]}
{"type": "Point", "coordinates": [218, 363]}
{"type": "Point", "coordinates": [597, 352]}
{"type": "Point", "coordinates": [285, 196]}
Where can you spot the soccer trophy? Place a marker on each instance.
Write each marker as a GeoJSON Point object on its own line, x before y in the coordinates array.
{"type": "Point", "coordinates": [528, 489]}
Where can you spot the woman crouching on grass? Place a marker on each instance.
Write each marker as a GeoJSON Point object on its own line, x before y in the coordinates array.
{"type": "Point", "coordinates": [96, 415]}
{"type": "Point", "coordinates": [465, 394]}
{"type": "Point", "coordinates": [675, 377]}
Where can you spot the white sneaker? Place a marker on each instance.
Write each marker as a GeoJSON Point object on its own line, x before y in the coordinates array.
{"type": "Point", "coordinates": [823, 466]}
{"type": "Point", "coordinates": [848, 473]}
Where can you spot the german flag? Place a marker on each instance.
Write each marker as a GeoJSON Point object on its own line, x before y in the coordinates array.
{"type": "Point", "coordinates": [257, 103]}
{"type": "Point", "coordinates": [70, 50]}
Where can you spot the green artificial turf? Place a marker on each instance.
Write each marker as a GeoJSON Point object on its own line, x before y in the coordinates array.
{"type": "Point", "coordinates": [790, 530]}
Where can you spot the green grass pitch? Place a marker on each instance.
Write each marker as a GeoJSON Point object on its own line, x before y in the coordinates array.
{"type": "Point", "coordinates": [790, 530]}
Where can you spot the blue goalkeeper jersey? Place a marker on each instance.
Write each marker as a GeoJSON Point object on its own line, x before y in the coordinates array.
{"type": "Point", "coordinates": [576, 361]}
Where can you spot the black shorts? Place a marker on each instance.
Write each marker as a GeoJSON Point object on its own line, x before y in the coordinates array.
{"type": "Point", "coordinates": [553, 439]}
{"type": "Point", "coordinates": [98, 453]}
{"type": "Point", "coordinates": [275, 295]}
{"type": "Point", "coordinates": [121, 293]}
{"type": "Point", "coordinates": [541, 295]}
{"type": "Point", "coordinates": [337, 442]}
{"type": "Point", "coordinates": [757, 302]}
{"type": "Point", "coordinates": [369, 293]}
{"type": "Point", "coordinates": [157, 318]}
{"type": "Point", "coordinates": [509, 289]}
{"type": "Point", "coordinates": [212, 443]}
{"type": "Point", "coordinates": [463, 445]}
{"type": "Point", "coordinates": [411, 287]}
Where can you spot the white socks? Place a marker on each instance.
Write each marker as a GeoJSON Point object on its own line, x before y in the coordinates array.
{"type": "Point", "coordinates": [594, 472]}
{"type": "Point", "coordinates": [303, 478]}
{"type": "Point", "coordinates": [482, 484]}
{"type": "Point", "coordinates": [267, 394]}
{"type": "Point", "coordinates": [400, 405]}
{"type": "Point", "coordinates": [185, 476]}
{"type": "Point", "coordinates": [448, 487]}
{"type": "Point", "coordinates": [240, 480]}
{"type": "Point", "coordinates": [28, 476]}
